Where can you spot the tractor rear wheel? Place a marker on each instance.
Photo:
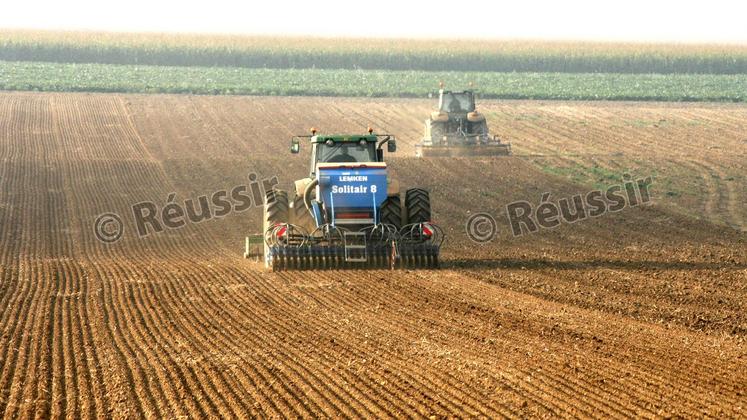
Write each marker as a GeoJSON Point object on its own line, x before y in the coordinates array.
{"type": "Point", "coordinates": [438, 131]}
{"type": "Point", "coordinates": [390, 212]}
{"type": "Point", "coordinates": [276, 207]}
{"type": "Point", "coordinates": [418, 204]}
{"type": "Point", "coordinates": [480, 129]}
{"type": "Point", "coordinates": [276, 211]}
{"type": "Point", "coordinates": [301, 215]}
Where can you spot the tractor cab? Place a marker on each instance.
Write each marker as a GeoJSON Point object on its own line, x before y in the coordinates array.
{"type": "Point", "coordinates": [456, 102]}
{"type": "Point", "coordinates": [347, 177]}
{"type": "Point", "coordinates": [351, 149]}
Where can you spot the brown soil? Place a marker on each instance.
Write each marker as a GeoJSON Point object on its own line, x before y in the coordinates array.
{"type": "Point", "coordinates": [636, 313]}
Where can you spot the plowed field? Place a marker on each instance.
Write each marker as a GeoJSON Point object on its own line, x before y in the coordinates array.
{"type": "Point", "coordinates": [641, 312]}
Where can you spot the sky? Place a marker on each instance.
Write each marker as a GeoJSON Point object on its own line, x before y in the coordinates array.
{"type": "Point", "coordinates": [632, 20]}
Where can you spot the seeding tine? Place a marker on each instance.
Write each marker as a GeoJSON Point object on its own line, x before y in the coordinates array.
{"type": "Point", "coordinates": [274, 263]}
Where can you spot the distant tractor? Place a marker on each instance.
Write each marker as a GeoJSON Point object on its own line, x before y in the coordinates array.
{"type": "Point", "coordinates": [457, 129]}
{"type": "Point", "coordinates": [348, 213]}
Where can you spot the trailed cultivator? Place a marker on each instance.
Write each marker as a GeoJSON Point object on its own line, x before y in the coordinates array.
{"type": "Point", "coordinates": [348, 213]}
{"type": "Point", "coordinates": [457, 129]}
{"type": "Point", "coordinates": [329, 247]}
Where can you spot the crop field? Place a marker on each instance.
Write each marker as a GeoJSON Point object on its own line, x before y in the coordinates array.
{"type": "Point", "coordinates": [641, 312]}
{"type": "Point", "coordinates": [60, 77]}
{"type": "Point", "coordinates": [235, 65]}
{"type": "Point", "coordinates": [371, 54]}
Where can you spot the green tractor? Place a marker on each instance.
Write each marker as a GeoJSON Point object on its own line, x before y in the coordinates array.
{"type": "Point", "coordinates": [457, 129]}
{"type": "Point", "coordinates": [348, 213]}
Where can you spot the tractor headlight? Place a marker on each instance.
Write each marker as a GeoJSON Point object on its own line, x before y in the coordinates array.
{"type": "Point", "coordinates": [329, 143]}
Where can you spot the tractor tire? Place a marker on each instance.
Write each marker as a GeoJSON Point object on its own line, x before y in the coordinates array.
{"type": "Point", "coordinates": [276, 208]}
{"type": "Point", "coordinates": [301, 215]}
{"type": "Point", "coordinates": [438, 131]}
{"type": "Point", "coordinates": [479, 131]}
{"type": "Point", "coordinates": [390, 211]}
{"type": "Point", "coordinates": [418, 204]}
